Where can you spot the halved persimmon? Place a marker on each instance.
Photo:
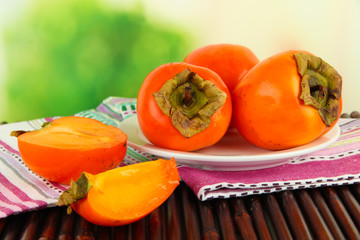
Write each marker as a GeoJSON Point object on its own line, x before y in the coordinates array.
{"type": "Point", "coordinates": [122, 195]}
{"type": "Point", "coordinates": [68, 146]}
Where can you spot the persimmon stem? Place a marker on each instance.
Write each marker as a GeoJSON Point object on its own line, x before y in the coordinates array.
{"type": "Point", "coordinates": [188, 95]}
{"type": "Point", "coordinates": [320, 90]}
{"type": "Point", "coordinates": [189, 101]}
{"type": "Point", "coordinates": [17, 133]}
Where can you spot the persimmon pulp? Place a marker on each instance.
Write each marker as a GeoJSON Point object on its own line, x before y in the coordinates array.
{"type": "Point", "coordinates": [68, 146]}
{"type": "Point", "coordinates": [122, 195]}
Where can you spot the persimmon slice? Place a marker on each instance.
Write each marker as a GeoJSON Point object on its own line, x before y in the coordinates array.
{"type": "Point", "coordinates": [122, 195]}
{"type": "Point", "coordinates": [68, 146]}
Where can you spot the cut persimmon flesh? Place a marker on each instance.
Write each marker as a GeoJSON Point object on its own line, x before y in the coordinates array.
{"type": "Point", "coordinates": [68, 146]}
{"type": "Point", "coordinates": [122, 195]}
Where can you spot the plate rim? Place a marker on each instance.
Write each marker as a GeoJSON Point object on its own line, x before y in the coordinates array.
{"type": "Point", "coordinates": [200, 157]}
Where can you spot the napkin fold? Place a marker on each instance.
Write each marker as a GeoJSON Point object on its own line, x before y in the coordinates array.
{"type": "Point", "coordinates": [22, 190]}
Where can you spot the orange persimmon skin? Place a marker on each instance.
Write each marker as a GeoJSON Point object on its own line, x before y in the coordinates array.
{"type": "Point", "coordinates": [230, 61]}
{"type": "Point", "coordinates": [131, 192]}
{"type": "Point", "coordinates": [157, 127]}
{"type": "Point", "coordinates": [71, 145]}
{"type": "Point", "coordinates": [267, 109]}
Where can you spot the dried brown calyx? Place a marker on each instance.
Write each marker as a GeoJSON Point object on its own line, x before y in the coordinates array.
{"type": "Point", "coordinates": [17, 133]}
{"type": "Point", "coordinates": [189, 101]}
{"type": "Point", "coordinates": [320, 86]}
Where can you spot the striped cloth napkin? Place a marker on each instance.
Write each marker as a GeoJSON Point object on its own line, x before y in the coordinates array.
{"type": "Point", "coordinates": [21, 190]}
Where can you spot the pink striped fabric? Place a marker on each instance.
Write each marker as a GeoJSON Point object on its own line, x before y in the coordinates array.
{"type": "Point", "coordinates": [22, 190]}
{"type": "Point", "coordinates": [337, 164]}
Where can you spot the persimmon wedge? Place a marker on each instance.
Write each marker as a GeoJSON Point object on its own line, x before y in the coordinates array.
{"type": "Point", "coordinates": [122, 195]}
{"type": "Point", "coordinates": [68, 146]}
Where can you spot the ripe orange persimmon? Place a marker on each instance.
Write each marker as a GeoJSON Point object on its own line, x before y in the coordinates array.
{"type": "Point", "coordinates": [122, 195]}
{"type": "Point", "coordinates": [230, 61]}
{"type": "Point", "coordinates": [287, 100]}
{"type": "Point", "coordinates": [183, 107]}
{"type": "Point", "coordinates": [68, 146]}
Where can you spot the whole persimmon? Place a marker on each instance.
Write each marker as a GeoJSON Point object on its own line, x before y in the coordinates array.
{"type": "Point", "coordinates": [287, 100]}
{"type": "Point", "coordinates": [183, 107]}
{"type": "Point", "coordinates": [68, 146]}
{"type": "Point", "coordinates": [230, 61]}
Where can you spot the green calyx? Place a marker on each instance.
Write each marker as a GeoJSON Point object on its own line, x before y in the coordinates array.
{"type": "Point", "coordinates": [78, 190]}
{"type": "Point", "coordinates": [320, 86]}
{"type": "Point", "coordinates": [189, 101]}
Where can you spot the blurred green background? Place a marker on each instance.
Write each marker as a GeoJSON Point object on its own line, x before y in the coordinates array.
{"type": "Point", "coordinates": [63, 57]}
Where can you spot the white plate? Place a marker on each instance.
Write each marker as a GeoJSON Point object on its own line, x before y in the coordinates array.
{"type": "Point", "coordinates": [231, 153]}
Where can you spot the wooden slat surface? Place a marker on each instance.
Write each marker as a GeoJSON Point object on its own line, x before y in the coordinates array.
{"type": "Point", "coordinates": [322, 213]}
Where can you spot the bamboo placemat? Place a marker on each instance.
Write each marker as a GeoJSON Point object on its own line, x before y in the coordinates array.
{"type": "Point", "coordinates": [321, 213]}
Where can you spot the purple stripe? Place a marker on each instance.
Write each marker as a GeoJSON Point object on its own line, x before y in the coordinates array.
{"type": "Point", "coordinates": [102, 109]}
{"type": "Point", "coordinates": [10, 149]}
{"type": "Point", "coordinates": [18, 192]}
{"type": "Point", "coordinates": [59, 186]}
{"type": "Point", "coordinates": [350, 134]}
{"type": "Point", "coordinates": [352, 147]}
{"type": "Point", "coordinates": [123, 100]}
{"type": "Point", "coordinates": [6, 200]}
{"type": "Point", "coordinates": [345, 127]}
{"type": "Point", "coordinates": [49, 119]}
{"type": "Point", "coordinates": [342, 148]}
{"type": "Point", "coordinates": [7, 147]}
{"type": "Point", "coordinates": [105, 110]}
{"type": "Point", "coordinates": [22, 172]}
{"type": "Point", "coordinates": [288, 172]}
